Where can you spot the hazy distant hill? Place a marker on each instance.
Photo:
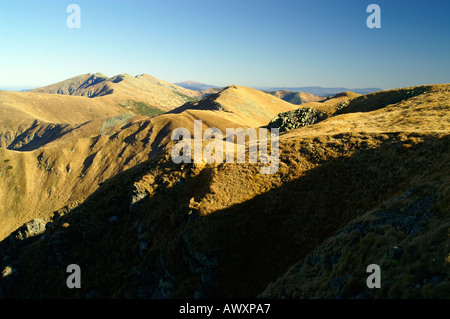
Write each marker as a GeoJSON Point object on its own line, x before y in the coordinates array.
{"type": "Point", "coordinates": [317, 90]}
{"type": "Point", "coordinates": [195, 86]}
{"type": "Point", "coordinates": [296, 97]}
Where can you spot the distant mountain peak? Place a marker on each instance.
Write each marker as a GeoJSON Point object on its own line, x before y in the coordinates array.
{"type": "Point", "coordinates": [142, 94]}
{"type": "Point", "coordinates": [194, 85]}
{"type": "Point", "coordinates": [322, 91]}
{"type": "Point", "coordinates": [188, 82]}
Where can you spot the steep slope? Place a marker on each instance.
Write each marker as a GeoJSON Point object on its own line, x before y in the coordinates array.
{"type": "Point", "coordinates": [70, 86]}
{"type": "Point", "coordinates": [64, 163]}
{"type": "Point", "coordinates": [374, 101]}
{"type": "Point", "coordinates": [22, 113]}
{"type": "Point", "coordinates": [62, 166]}
{"type": "Point", "coordinates": [142, 94]}
{"type": "Point", "coordinates": [347, 191]}
{"type": "Point", "coordinates": [333, 103]}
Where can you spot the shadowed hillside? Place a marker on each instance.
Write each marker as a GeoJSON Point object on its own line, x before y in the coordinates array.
{"type": "Point", "coordinates": [370, 185]}
{"type": "Point", "coordinates": [61, 164]}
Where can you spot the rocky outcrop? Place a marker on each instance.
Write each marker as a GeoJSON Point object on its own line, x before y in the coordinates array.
{"type": "Point", "coordinates": [30, 229]}
{"type": "Point", "coordinates": [138, 194]}
{"type": "Point", "coordinates": [294, 119]}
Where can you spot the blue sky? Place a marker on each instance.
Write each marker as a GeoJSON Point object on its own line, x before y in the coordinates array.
{"type": "Point", "coordinates": [255, 43]}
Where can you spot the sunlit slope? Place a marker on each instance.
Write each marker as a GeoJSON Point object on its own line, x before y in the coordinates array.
{"type": "Point", "coordinates": [51, 108]}
{"type": "Point", "coordinates": [142, 94]}
{"type": "Point", "coordinates": [63, 163]}
{"type": "Point", "coordinates": [242, 105]}
{"type": "Point", "coordinates": [347, 190]}
{"type": "Point", "coordinates": [21, 111]}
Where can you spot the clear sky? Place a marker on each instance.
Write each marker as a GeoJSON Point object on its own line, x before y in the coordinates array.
{"type": "Point", "coordinates": [257, 43]}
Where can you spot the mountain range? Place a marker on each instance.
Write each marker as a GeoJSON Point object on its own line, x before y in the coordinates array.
{"type": "Point", "coordinates": [314, 90]}
{"type": "Point", "coordinates": [140, 94]}
{"type": "Point", "coordinates": [87, 178]}
{"type": "Point", "coordinates": [321, 91]}
{"type": "Point", "coordinates": [195, 86]}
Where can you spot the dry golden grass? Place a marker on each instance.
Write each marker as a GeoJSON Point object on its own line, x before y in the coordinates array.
{"type": "Point", "coordinates": [15, 107]}
{"type": "Point", "coordinates": [244, 106]}
{"type": "Point", "coordinates": [123, 89]}
{"type": "Point", "coordinates": [227, 221]}
{"type": "Point", "coordinates": [67, 168]}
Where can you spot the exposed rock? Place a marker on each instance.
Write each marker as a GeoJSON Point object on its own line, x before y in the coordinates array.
{"type": "Point", "coordinates": [139, 193]}
{"type": "Point", "coordinates": [294, 119]}
{"type": "Point", "coordinates": [31, 229]}
{"type": "Point", "coordinates": [7, 271]}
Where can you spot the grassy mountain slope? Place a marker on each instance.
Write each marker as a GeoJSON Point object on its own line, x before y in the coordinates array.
{"type": "Point", "coordinates": [142, 94]}
{"type": "Point", "coordinates": [61, 164]}
{"type": "Point", "coordinates": [348, 191]}
{"type": "Point", "coordinates": [245, 106]}
{"type": "Point", "coordinates": [21, 113]}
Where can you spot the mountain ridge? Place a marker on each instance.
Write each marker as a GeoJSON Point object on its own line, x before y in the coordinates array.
{"type": "Point", "coordinates": [296, 98]}
{"type": "Point", "coordinates": [196, 86]}
{"type": "Point", "coordinates": [368, 179]}
{"type": "Point", "coordinates": [322, 91]}
{"type": "Point", "coordinates": [97, 147]}
{"type": "Point", "coordinates": [140, 94]}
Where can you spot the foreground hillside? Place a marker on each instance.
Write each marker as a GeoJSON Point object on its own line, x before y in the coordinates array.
{"type": "Point", "coordinates": [51, 166]}
{"type": "Point", "coordinates": [368, 185]}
